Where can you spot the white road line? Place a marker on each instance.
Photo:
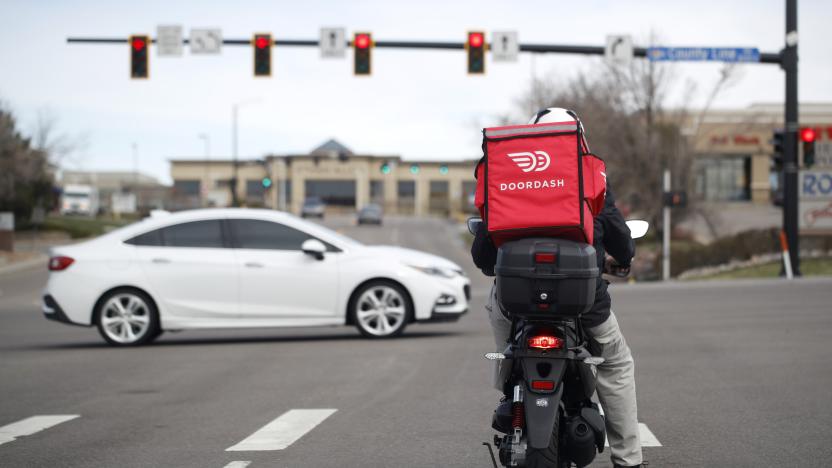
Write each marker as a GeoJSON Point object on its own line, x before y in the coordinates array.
{"type": "Point", "coordinates": [32, 425]}
{"type": "Point", "coordinates": [283, 431]}
{"type": "Point", "coordinates": [238, 464]}
{"type": "Point", "coordinates": [647, 437]}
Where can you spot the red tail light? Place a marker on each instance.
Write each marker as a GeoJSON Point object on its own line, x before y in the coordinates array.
{"type": "Point", "coordinates": [60, 263]}
{"type": "Point", "coordinates": [543, 385]}
{"type": "Point", "coordinates": [544, 258]}
{"type": "Point", "coordinates": [545, 342]}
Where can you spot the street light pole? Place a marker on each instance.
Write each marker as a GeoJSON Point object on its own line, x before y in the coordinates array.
{"type": "Point", "coordinates": [234, 201]}
{"type": "Point", "coordinates": [204, 137]}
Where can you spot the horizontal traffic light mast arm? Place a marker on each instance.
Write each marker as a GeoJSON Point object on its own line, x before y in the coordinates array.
{"type": "Point", "coordinates": [765, 57]}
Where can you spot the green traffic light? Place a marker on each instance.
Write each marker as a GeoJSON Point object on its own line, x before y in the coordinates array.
{"type": "Point", "coordinates": [267, 182]}
{"type": "Point", "coordinates": [414, 169]}
{"type": "Point", "coordinates": [443, 169]}
{"type": "Point", "coordinates": [385, 168]}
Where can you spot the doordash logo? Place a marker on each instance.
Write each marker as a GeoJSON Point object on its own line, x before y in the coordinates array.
{"type": "Point", "coordinates": [528, 162]}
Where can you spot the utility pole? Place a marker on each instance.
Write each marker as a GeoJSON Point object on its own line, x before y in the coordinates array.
{"type": "Point", "coordinates": [135, 148]}
{"type": "Point", "coordinates": [666, 230]}
{"type": "Point", "coordinates": [206, 188]}
{"type": "Point", "coordinates": [234, 201]}
{"type": "Point", "coordinates": [790, 193]}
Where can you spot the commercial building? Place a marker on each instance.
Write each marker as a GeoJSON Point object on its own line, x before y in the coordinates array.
{"type": "Point", "coordinates": [148, 191]}
{"type": "Point", "coordinates": [342, 179]}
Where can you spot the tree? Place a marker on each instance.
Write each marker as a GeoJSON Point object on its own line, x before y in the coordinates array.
{"type": "Point", "coordinates": [26, 178]}
{"type": "Point", "coordinates": [624, 109]}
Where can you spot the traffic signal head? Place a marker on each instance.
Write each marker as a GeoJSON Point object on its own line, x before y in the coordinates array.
{"type": "Point", "coordinates": [443, 169]}
{"type": "Point", "coordinates": [385, 168]}
{"type": "Point", "coordinates": [777, 144]}
{"type": "Point", "coordinates": [475, 48]}
{"type": "Point", "coordinates": [414, 169]}
{"type": "Point", "coordinates": [139, 57]}
{"type": "Point", "coordinates": [267, 182]}
{"type": "Point", "coordinates": [808, 136]}
{"type": "Point", "coordinates": [362, 45]}
{"type": "Point", "coordinates": [262, 54]}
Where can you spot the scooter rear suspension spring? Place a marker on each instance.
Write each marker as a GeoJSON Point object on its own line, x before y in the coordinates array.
{"type": "Point", "coordinates": [518, 415]}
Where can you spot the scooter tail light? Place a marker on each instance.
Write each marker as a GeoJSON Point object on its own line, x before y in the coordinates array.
{"type": "Point", "coordinates": [544, 258]}
{"type": "Point", "coordinates": [545, 342]}
{"type": "Point", "coordinates": [543, 384]}
{"type": "Point", "coordinates": [60, 263]}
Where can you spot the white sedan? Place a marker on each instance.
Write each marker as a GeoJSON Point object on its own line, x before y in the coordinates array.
{"type": "Point", "coordinates": [243, 268]}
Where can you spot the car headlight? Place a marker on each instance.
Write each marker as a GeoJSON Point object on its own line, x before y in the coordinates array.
{"type": "Point", "coordinates": [436, 271]}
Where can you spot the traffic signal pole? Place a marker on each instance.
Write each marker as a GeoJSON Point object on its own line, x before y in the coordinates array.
{"type": "Point", "coordinates": [790, 191]}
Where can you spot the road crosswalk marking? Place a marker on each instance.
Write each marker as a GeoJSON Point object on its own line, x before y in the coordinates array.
{"type": "Point", "coordinates": [647, 437]}
{"type": "Point", "coordinates": [32, 425]}
{"type": "Point", "coordinates": [238, 464]}
{"type": "Point", "coordinates": [283, 431]}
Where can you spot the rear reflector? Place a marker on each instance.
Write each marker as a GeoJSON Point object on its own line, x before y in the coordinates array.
{"type": "Point", "coordinates": [544, 258]}
{"type": "Point", "coordinates": [545, 342]}
{"type": "Point", "coordinates": [60, 263]}
{"type": "Point", "coordinates": [543, 385]}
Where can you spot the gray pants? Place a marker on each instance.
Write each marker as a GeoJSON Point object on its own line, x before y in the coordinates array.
{"type": "Point", "coordinates": [616, 384]}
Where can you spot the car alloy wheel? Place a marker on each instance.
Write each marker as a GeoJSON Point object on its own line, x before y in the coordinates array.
{"type": "Point", "coordinates": [381, 310]}
{"type": "Point", "coordinates": [127, 318]}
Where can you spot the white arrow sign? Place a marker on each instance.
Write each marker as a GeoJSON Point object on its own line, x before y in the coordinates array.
{"type": "Point", "coordinates": [333, 43]}
{"type": "Point", "coordinates": [206, 41]}
{"type": "Point", "coordinates": [504, 46]}
{"type": "Point", "coordinates": [619, 49]}
{"type": "Point", "coordinates": [169, 41]}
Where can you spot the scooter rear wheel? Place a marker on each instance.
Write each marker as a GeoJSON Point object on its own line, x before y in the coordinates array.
{"type": "Point", "coordinates": [550, 457]}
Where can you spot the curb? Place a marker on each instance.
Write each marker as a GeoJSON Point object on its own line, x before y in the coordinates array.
{"type": "Point", "coordinates": [22, 265]}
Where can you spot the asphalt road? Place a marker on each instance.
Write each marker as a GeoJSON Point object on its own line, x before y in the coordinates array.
{"type": "Point", "coordinates": [729, 374]}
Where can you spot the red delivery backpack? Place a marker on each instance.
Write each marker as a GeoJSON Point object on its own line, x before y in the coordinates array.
{"type": "Point", "coordinates": [539, 180]}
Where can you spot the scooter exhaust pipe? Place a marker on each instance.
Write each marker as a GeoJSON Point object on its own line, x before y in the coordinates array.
{"type": "Point", "coordinates": [580, 441]}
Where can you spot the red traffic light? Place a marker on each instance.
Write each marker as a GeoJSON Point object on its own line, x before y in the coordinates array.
{"type": "Point", "coordinates": [261, 42]}
{"type": "Point", "coordinates": [476, 39]}
{"type": "Point", "coordinates": [362, 41]}
{"type": "Point", "coordinates": [138, 44]}
{"type": "Point", "coordinates": [807, 135]}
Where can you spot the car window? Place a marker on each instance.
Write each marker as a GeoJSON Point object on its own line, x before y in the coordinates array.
{"type": "Point", "coordinates": [260, 234]}
{"type": "Point", "coordinates": [148, 239]}
{"type": "Point", "coordinates": [205, 234]}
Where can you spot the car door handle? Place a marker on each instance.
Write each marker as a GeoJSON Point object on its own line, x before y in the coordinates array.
{"type": "Point", "coordinates": [161, 260]}
{"type": "Point", "coordinates": [254, 265]}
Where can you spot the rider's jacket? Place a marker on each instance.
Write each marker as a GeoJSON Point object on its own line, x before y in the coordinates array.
{"type": "Point", "coordinates": [611, 235]}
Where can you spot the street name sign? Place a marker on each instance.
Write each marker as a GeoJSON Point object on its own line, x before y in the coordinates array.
{"type": "Point", "coordinates": [169, 41]}
{"type": "Point", "coordinates": [504, 46]}
{"type": "Point", "coordinates": [619, 49]}
{"type": "Point", "coordinates": [333, 43]}
{"type": "Point", "coordinates": [206, 41]}
{"type": "Point", "coordinates": [703, 54]}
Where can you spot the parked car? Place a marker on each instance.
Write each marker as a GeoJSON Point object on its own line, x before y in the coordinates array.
{"type": "Point", "coordinates": [245, 268]}
{"type": "Point", "coordinates": [370, 214]}
{"type": "Point", "coordinates": [313, 207]}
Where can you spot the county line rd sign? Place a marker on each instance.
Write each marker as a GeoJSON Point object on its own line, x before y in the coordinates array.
{"type": "Point", "coordinates": [704, 54]}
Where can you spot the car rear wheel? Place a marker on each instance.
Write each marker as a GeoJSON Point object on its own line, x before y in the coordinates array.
{"type": "Point", "coordinates": [381, 309]}
{"type": "Point", "coordinates": [127, 317]}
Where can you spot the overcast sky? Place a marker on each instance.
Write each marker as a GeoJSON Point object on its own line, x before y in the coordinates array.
{"type": "Point", "coordinates": [418, 104]}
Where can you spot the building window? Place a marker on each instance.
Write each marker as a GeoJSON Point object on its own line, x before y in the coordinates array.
{"type": "Point", "coordinates": [406, 190]}
{"type": "Point", "coordinates": [186, 187]}
{"type": "Point", "coordinates": [723, 178]}
{"type": "Point", "coordinates": [469, 189]}
{"type": "Point", "coordinates": [255, 189]}
{"type": "Point", "coordinates": [377, 191]}
{"type": "Point", "coordinates": [438, 202]}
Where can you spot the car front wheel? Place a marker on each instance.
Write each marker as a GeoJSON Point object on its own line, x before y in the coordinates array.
{"type": "Point", "coordinates": [126, 317]}
{"type": "Point", "coordinates": [381, 309]}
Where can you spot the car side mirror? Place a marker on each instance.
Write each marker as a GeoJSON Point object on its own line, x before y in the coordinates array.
{"type": "Point", "coordinates": [314, 247]}
{"type": "Point", "coordinates": [638, 228]}
{"type": "Point", "coordinates": [474, 225]}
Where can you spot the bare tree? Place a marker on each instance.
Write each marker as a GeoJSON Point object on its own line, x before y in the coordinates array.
{"type": "Point", "coordinates": [61, 148]}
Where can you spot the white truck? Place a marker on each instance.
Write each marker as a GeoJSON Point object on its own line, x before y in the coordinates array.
{"type": "Point", "coordinates": [79, 200]}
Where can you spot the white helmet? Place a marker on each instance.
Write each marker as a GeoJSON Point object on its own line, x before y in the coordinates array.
{"type": "Point", "coordinates": [552, 114]}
